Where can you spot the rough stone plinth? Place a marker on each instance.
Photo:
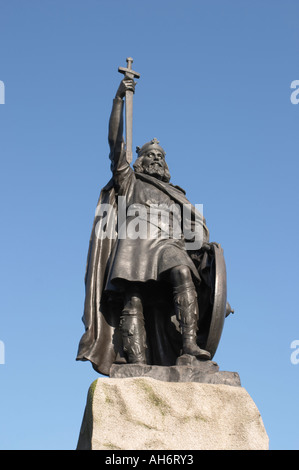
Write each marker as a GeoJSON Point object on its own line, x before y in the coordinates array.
{"type": "Point", "coordinates": [187, 369]}
{"type": "Point", "coordinates": [147, 414]}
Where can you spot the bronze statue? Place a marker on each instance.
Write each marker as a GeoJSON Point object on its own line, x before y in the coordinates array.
{"type": "Point", "coordinates": [154, 289]}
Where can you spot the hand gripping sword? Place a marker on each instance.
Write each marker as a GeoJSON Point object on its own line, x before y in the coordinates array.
{"type": "Point", "coordinates": [129, 73]}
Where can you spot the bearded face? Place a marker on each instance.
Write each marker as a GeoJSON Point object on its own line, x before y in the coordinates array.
{"type": "Point", "coordinates": [154, 163]}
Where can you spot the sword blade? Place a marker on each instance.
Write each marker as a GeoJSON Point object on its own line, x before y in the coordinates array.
{"type": "Point", "coordinates": [129, 125]}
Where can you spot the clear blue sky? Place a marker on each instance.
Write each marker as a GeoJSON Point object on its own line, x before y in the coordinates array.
{"type": "Point", "coordinates": [215, 90]}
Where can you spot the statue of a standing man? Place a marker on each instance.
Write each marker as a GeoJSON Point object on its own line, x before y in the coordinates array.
{"type": "Point", "coordinates": [127, 275]}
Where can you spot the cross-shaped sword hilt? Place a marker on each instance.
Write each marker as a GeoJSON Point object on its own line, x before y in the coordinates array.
{"type": "Point", "coordinates": [128, 72]}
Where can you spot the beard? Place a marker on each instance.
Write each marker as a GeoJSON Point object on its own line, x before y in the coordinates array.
{"type": "Point", "coordinates": [154, 169]}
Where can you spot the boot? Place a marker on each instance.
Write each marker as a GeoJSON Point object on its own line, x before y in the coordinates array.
{"type": "Point", "coordinates": [133, 331]}
{"type": "Point", "coordinates": [186, 306]}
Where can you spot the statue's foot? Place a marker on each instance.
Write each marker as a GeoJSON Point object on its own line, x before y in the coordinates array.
{"type": "Point", "coordinates": [135, 357]}
{"type": "Point", "coordinates": [194, 350]}
{"type": "Point", "coordinates": [120, 360]}
{"type": "Point", "coordinates": [137, 361]}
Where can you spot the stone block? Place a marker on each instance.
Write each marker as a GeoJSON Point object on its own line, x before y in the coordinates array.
{"type": "Point", "coordinates": [142, 413]}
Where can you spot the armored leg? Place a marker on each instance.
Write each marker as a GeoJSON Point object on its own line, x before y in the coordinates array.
{"type": "Point", "coordinates": [132, 329]}
{"type": "Point", "coordinates": [186, 308]}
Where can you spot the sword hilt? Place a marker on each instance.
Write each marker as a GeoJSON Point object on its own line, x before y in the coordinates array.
{"type": "Point", "coordinates": [127, 71]}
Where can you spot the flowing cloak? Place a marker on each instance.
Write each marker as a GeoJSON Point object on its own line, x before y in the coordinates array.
{"type": "Point", "coordinates": [101, 343]}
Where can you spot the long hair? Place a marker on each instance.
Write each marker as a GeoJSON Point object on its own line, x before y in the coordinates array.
{"type": "Point", "coordinates": [138, 167]}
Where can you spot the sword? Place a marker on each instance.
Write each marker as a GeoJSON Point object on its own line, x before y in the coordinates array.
{"type": "Point", "coordinates": [129, 73]}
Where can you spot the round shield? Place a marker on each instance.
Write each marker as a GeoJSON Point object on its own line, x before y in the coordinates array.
{"type": "Point", "coordinates": [219, 301]}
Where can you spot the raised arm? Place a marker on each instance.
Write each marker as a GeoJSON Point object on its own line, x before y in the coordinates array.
{"type": "Point", "coordinates": [115, 136]}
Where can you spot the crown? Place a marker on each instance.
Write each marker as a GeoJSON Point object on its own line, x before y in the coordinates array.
{"type": "Point", "coordinates": [153, 144]}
